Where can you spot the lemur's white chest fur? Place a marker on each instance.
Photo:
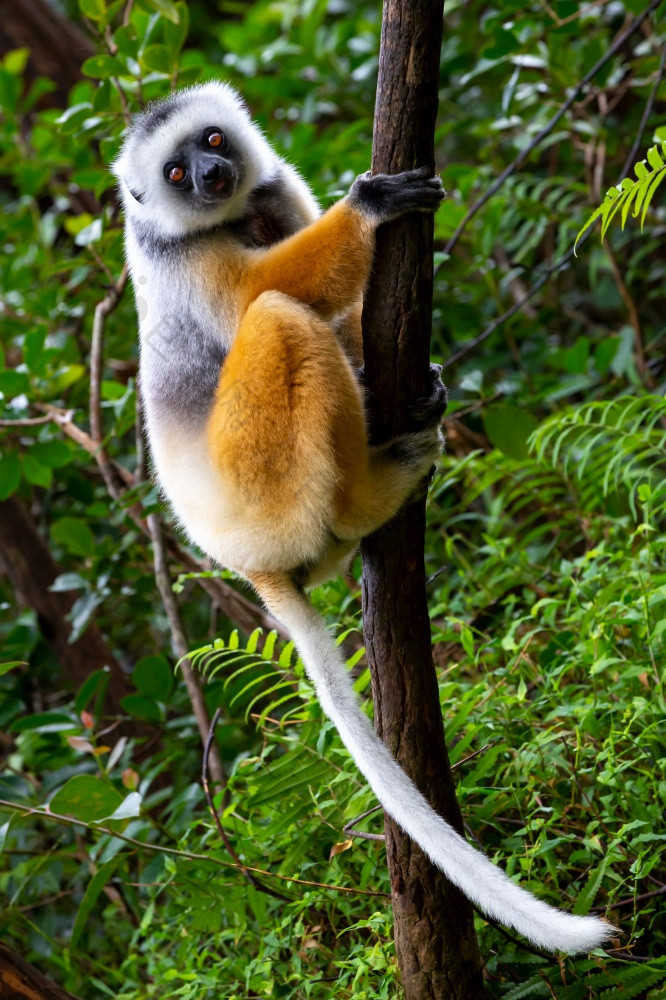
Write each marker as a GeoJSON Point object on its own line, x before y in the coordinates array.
{"type": "Point", "coordinates": [180, 363]}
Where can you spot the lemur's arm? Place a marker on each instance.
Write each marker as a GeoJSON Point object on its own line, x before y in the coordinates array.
{"type": "Point", "coordinates": [326, 265]}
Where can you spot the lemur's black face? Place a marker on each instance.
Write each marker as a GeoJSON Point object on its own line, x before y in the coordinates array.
{"type": "Point", "coordinates": [204, 167]}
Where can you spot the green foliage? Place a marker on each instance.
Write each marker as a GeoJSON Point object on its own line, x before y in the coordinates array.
{"type": "Point", "coordinates": [545, 547]}
{"type": "Point", "coordinates": [628, 193]}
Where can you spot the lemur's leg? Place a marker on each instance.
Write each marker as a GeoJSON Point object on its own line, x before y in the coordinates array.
{"type": "Point", "coordinates": [394, 470]}
{"type": "Point", "coordinates": [274, 430]}
{"type": "Point", "coordinates": [288, 434]}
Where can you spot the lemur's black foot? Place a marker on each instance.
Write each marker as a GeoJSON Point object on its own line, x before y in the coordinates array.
{"type": "Point", "coordinates": [428, 411]}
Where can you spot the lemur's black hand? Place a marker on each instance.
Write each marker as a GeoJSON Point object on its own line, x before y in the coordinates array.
{"type": "Point", "coordinates": [386, 196]}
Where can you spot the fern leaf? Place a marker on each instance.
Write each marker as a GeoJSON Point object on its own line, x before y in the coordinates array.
{"type": "Point", "coordinates": [589, 891]}
{"type": "Point", "coordinates": [311, 773]}
{"type": "Point", "coordinates": [534, 987]}
{"type": "Point", "coordinates": [625, 187]}
{"type": "Point", "coordinates": [600, 212]}
{"type": "Point", "coordinates": [652, 187]}
{"type": "Point", "coordinates": [621, 196]}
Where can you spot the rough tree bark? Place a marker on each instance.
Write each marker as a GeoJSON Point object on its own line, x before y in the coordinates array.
{"type": "Point", "coordinates": [434, 931]}
{"type": "Point", "coordinates": [21, 981]}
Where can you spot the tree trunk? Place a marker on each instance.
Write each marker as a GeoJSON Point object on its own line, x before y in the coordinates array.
{"type": "Point", "coordinates": [21, 981]}
{"type": "Point", "coordinates": [434, 930]}
{"type": "Point", "coordinates": [57, 47]}
{"type": "Point", "coordinates": [27, 562]}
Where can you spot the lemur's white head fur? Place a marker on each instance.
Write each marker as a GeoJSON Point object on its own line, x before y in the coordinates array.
{"type": "Point", "coordinates": [158, 131]}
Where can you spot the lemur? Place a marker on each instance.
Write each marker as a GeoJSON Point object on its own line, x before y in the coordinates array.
{"type": "Point", "coordinates": [249, 313]}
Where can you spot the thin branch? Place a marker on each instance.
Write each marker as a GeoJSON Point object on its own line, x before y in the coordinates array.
{"type": "Point", "coordinates": [348, 827]}
{"type": "Point", "coordinates": [208, 745]}
{"type": "Point", "coordinates": [25, 422]}
{"type": "Point", "coordinates": [548, 128]}
{"type": "Point", "coordinates": [180, 644]}
{"type": "Point", "coordinates": [634, 319]}
{"type": "Point", "coordinates": [564, 260]}
{"type": "Point", "coordinates": [102, 310]}
{"type": "Point", "coordinates": [174, 852]}
{"type": "Point", "coordinates": [632, 900]}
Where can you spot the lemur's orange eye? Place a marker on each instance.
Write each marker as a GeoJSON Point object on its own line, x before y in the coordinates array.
{"type": "Point", "coordinates": [176, 175]}
{"type": "Point", "coordinates": [215, 139]}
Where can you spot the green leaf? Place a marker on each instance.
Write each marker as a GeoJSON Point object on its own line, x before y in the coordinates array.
{"type": "Point", "coordinates": [94, 685]}
{"type": "Point", "coordinates": [91, 895]}
{"type": "Point", "coordinates": [35, 472]}
{"type": "Point", "coordinates": [74, 535]}
{"type": "Point", "coordinates": [153, 677]}
{"type": "Point", "coordinates": [165, 7]}
{"type": "Point", "coordinates": [87, 798]}
{"type": "Point", "coordinates": [142, 708]}
{"type": "Point", "coordinates": [93, 9]}
{"type": "Point", "coordinates": [588, 893]}
{"type": "Point", "coordinates": [82, 611]}
{"type": "Point", "coordinates": [65, 377]}
{"type": "Point", "coordinates": [13, 383]}
{"type": "Point", "coordinates": [89, 234]}
{"type": "Point", "coordinates": [72, 120]}
{"type": "Point", "coordinates": [129, 808]}
{"type": "Point", "coordinates": [175, 34]}
{"type": "Point", "coordinates": [157, 58]}
{"type": "Point", "coordinates": [654, 159]}
{"type": "Point", "coordinates": [508, 427]}
{"type": "Point", "coordinates": [16, 60]}
{"type": "Point", "coordinates": [44, 722]}
{"type": "Point", "coordinates": [101, 67]}
{"type": "Point", "coordinates": [467, 640]}
{"type": "Point", "coordinates": [10, 474]}
{"type": "Point", "coordinates": [10, 665]}
{"type": "Point", "coordinates": [54, 454]}
{"type": "Point", "coordinates": [68, 581]}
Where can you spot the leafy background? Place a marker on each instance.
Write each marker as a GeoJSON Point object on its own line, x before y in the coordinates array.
{"type": "Point", "coordinates": [545, 551]}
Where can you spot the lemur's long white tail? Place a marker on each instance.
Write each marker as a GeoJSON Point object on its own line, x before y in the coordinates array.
{"type": "Point", "coordinates": [478, 878]}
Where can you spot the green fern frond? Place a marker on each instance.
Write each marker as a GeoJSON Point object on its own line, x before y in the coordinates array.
{"type": "Point", "coordinates": [251, 676]}
{"type": "Point", "coordinates": [608, 446]}
{"type": "Point", "coordinates": [533, 987]}
{"type": "Point", "coordinates": [639, 193]}
{"type": "Point", "coordinates": [615, 982]}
